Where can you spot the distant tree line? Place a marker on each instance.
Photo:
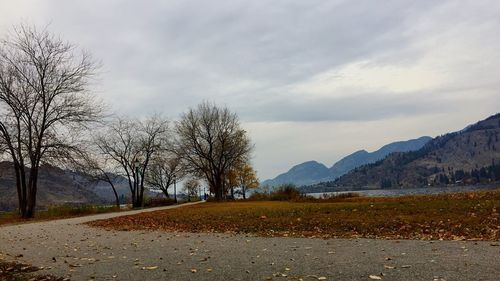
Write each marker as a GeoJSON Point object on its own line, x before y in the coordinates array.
{"type": "Point", "coordinates": [486, 174]}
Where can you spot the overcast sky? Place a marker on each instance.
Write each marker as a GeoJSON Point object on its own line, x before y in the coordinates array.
{"type": "Point", "coordinates": [310, 80]}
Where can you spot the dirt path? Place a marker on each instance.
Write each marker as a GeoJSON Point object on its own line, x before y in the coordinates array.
{"type": "Point", "coordinates": [67, 248]}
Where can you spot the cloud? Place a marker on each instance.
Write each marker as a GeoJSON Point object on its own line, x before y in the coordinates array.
{"type": "Point", "coordinates": [311, 65]}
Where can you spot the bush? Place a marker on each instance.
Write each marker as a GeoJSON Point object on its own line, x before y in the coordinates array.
{"type": "Point", "coordinates": [75, 210]}
{"type": "Point", "coordinates": [287, 192]}
{"type": "Point", "coordinates": [341, 195]}
{"type": "Point", "coordinates": [158, 202]}
{"type": "Point", "coordinates": [259, 196]}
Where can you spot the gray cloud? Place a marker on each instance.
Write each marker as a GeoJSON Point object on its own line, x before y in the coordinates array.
{"type": "Point", "coordinates": [351, 108]}
{"type": "Point", "coordinates": [394, 59]}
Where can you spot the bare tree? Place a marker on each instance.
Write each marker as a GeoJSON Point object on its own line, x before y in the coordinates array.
{"type": "Point", "coordinates": [98, 168]}
{"type": "Point", "coordinates": [164, 169]}
{"type": "Point", "coordinates": [45, 105]}
{"type": "Point", "coordinates": [210, 141]}
{"type": "Point", "coordinates": [132, 144]}
{"type": "Point", "coordinates": [191, 187]}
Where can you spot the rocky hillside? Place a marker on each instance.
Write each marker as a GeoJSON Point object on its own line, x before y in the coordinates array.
{"type": "Point", "coordinates": [466, 157]}
{"type": "Point", "coordinates": [57, 186]}
{"type": "Point", "coordinates": [364, 157]}
{"type": "Point", "coordinates": [313, 172]}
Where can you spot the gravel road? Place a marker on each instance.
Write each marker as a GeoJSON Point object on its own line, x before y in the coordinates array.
{"type": "Point", "coordinates": [68, 249]}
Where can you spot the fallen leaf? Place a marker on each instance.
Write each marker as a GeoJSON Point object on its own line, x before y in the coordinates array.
{"type": "Point", "coordinates": [388, 267]}
{"type": "Point", "coordinates": [150, 268]}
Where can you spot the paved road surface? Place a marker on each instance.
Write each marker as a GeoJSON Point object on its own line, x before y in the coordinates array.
{"type": "Point", "coordinates": [67, 248]}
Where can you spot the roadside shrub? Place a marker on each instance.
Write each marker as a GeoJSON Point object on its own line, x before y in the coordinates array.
{"type": "Point", "coordinates": [341, 195]}
{"type": "Point", "coordinates": [75, 210]}
{"type": "Point", "coordinates": [259, 196]}
{"type": "Point", "coordinates": [158, 202]}
{"type": "Point", "coordinates": [213, 199]}
{"type": "Point", "coordinates": [287, 192]}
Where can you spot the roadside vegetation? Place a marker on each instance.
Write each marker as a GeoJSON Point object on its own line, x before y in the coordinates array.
{"type": "Point", "coordinates": [461, 216]}
{"type": "Point", "coordinates": [58, 212]}
{"type": "Point", "coordinates": [289, 192]}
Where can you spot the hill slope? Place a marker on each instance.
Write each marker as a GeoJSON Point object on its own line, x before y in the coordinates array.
{"type": "Point", "coordinates": [363, 157]}
{"type": "Point", "coordinates": [469, 156]}
{"type": "Point", "coordinates": [313, 172]}
{"type": "Point", "coordinates": [57, 186]}
{"type": "Point", "coordinates": [305, 173]}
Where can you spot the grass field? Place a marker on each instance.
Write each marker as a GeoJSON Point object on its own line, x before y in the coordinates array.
{"type": "Point", "coordinates": [57, 212]}
{"type": "Point", "coordinates": [447, 216]}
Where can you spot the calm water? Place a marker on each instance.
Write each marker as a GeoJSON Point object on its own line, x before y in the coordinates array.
{"type": "Point", "coordinates": [411, 191]}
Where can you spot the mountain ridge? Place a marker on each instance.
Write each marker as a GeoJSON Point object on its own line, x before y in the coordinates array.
{"type": "Point", "coordinates": [297, 176]}
{"type": "Point", "coordinates": [468, 156]}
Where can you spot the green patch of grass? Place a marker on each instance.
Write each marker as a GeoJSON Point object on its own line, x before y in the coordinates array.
{"type": "Point", "coordinates": [445, 216]}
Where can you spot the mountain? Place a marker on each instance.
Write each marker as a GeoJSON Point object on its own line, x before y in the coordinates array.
{"type": "Point", "coordinates": [469, 156]}
{"type": "Point", "coordinates": [58, 186]}
{"type": "Point", "coordinates": [313, 172]}
{"type": "Point", "coordinates": [301, 174]}
{"type": "Point", "coordinates": [55, 185]}
{"type": "Point", "coordinates": [362, 157]}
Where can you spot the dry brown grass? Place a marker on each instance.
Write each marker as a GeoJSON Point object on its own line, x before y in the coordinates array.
{"type": "Point", "coordinates": [15, 271]}
{"type": "Point", "coordinates": [449, 216]}
{"type": "Point", "coordinates": [57, 212]}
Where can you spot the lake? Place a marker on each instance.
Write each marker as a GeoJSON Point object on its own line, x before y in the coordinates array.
{"type": "Point", "coordinates": [411, 191]}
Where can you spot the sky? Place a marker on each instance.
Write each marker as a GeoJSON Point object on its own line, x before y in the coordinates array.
{"type": "Point", "coordinates": [310, 80]}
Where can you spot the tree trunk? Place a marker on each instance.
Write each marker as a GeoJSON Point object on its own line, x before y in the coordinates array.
{"type": "Point", "coordinates": [110, 181]}
{"type": "Point", "coordinates": [141, 196]}
{"type": "Point", "coordinates": [165, 192]}
{"type": "Point", "coordinates": [20, 193]}
{"type": "Point", "coordinates": [116, 195]}
{"type": "Point", "coordinates": [23, 204]}
{"type": "Point", "coordinates": [135, 191]}
{"type": "Point", "coordinates": [244, 192]}
{"type": "Point", "coordinates": [32, 190]}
